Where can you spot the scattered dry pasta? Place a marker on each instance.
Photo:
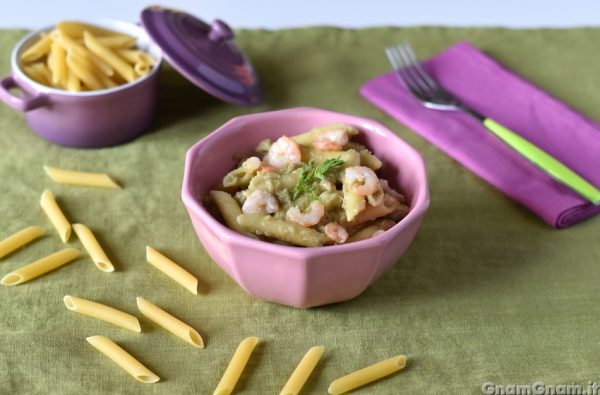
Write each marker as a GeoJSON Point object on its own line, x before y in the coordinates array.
{"type": "Point", "coordinates": [123, 359]}
{"type": "Point", "coordinates": [63, 176]}
{"type": "Point", "coordinates": [40, 267]}
{"type": "Point", "coordinates": [170, 323]}
{"type": "Point", "coordinates": [19, 239]}
{"type": "Point", "coordinates": [236, 366]}
{"type": "Point", "coordinates": [56, 216]}
{"type": "Point", "coordinates": [102, 312]}
{"type": "Point", "coordinates": [367, 375]}
{"type": "Point", "coordinates": [302, 371]}
{"type": "Point", "coordinates": [171, 269]}
{"type": "Point", "coordinates": [93, 248]}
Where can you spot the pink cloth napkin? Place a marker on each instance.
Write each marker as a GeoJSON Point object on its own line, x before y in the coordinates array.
{"type": "Point", "coordinates": [497, 93]}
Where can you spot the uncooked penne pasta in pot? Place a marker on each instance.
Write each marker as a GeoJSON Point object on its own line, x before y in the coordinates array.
{"type": "Point", "coordinates": [76, 56]}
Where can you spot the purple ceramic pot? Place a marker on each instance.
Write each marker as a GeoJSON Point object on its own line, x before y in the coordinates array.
{"type": "Point", "coordinates": [85, 119]}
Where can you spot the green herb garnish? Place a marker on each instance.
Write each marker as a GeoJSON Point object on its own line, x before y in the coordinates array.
{"type": "Point", "coordinates": [310, 173]}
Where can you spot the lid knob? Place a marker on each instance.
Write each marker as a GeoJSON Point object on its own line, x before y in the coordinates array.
{"type": "Point", "coordinates": [220, 31]}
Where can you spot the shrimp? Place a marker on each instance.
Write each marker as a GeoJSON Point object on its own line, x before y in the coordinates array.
{"type": "Point", "coordinates": [260, 202]}
{"type": "Point", "coordinates": [364, 181]}
{"type": "Point", "coordinates": [332, 140]}
{"type": "Point", "coordinates": [336, 232]}
{"type": "Point", "coordinates": [310, 217]}
{"type": "Point", "coordinates": [283, 152]}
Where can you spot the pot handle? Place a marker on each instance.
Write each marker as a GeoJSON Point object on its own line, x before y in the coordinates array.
{"type": "Point", "coordinates": [20, 103]}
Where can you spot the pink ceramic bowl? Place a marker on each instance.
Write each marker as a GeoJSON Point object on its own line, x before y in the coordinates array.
{"type": "Point", "coordinates": [295, 276]}
{"type": "Point", "coordinates": [85, 119]}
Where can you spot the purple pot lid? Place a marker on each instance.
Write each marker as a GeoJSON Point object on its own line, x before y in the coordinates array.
{"type": "Point", "coordinates": [205, 54]}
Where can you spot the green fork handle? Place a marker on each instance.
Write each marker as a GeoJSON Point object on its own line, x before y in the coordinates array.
{"type": "Point", "coordinates": [545, 161]}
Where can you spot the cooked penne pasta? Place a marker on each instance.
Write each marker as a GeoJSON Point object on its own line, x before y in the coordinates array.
{"type": "Point", "coordinates": [350, 157]}
{"type": "Point", "coordinates": [102, 312]}
{"type": "Point", "coordinates": [170, 323]}
{"type": "Point", "coordinates": [38, 50]}
{"type": "Point", "coordinates": [387, 206]}
{"type": "Point", "coordinates": [314, 189]}
{"type": "Point", "coordinates": [237, 178]}
{"type": "Point", "coordinates": [241, 176]}
{"type": "Point", "coordinates": [236, 366]}
{"type": "Point", "coordinates": [106, 54]}
{"type": "Point", "coordinates": [367, 375]}
{"type": "Point", "coordinates": [63, 176]}
{"type": "Point", "coordinates": [302, 371]}
{"type": "Point", "coordinates": [369, 160]}
{"type": "Point", "coordinates": [353, 203]}
{"type": "Point", "coordinates": [19, 239]}
{"type": "Point", "coordinates": [372, 230]}
{"type": "Point", "coordinates": [56, 216]}
{"type": "Point", "coordinates": [171, 269]}
{"type": "Point", "coordinates": [93, 248]}
{"type": "Point", "coordinates": [40, 267]}
{"type": "Point", "coordinates": [123, 359]}
{"type": "Point", "coordinates": [229, 209]}
{"type": "Point", "coordinates": [283, 230]}
{"type": "Point", "coordinates": [308, 138]}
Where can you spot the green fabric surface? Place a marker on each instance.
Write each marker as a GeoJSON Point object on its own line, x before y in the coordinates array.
{"type": "Point", "coordinates": [486, 292]}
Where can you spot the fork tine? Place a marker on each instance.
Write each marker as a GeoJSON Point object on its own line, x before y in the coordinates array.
{"type": "Point", "coordinates": [411, 68]}
{"type": "Point", "coordinates": [419, 67]}
{"type": "Point", "coordinates": [401, 68]}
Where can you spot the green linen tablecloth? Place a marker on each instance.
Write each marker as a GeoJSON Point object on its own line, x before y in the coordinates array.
{"type": "Point", "coordinates": [486, 293]}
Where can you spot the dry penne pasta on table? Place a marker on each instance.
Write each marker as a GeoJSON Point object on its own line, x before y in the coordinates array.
{"type": "Point", "coordinates": [102, 312]}
{"type": "Point", "coordinates": [19, 239]}
{"type": "Point", "coordinates": [170, 323]}
{"type": "Point", "coordinates": [93, 248]}
{"type": "Point", "coordinates": [77, 56]}
{"type": "Point", "coordinates": [367, 375]}
{"type": "Point", "coordinates": [236, 366]}
{"type": "Point", "coordinates": [123, 359]}
{"type": "Point", "coordinates": [56, 216]}
{"type": "Point", "coordinates": [40, 267]}
{"type": "Point", "coordinates": [171, 269]}
{"type": "Point", "coordinates": [83, 178]}
{"type": "Point", "coordinates": [302, 371]}
{"type": "Point", "coordinates": [312, 189]}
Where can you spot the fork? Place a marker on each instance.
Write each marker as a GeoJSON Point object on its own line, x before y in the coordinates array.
{"type": "Point", "coordinates": [428, 91]}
